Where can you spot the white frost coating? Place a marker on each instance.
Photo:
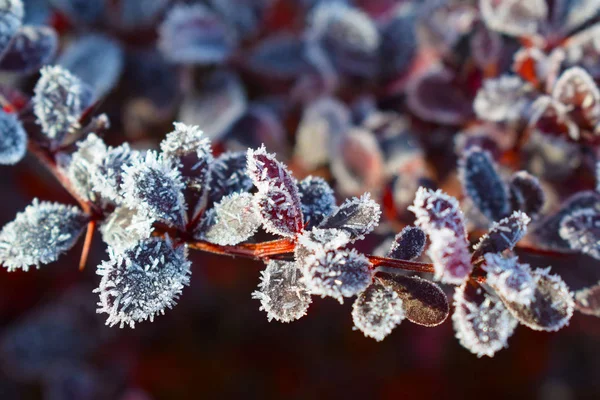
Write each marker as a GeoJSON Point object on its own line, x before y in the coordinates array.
{"type": "Point", "coordinates": [357, 216]}
{"type": "Point", "coordinates": [152, 186]}
{"type": "Point", "coordinates": [124, 228]}
{"type": "Point", "coordinates": [84, 165]}
{"type": "Point", "coordinates": [317, 198]}
{"type": "Point", "coordinates": [513, 281]}
{"type": "Point", "coordinates": [377, 311]}
{"type": "Point", "coordinates": [502, 99]}
{"type": "Point", "coordinates": [482, 323]}
{"type": "Point", "coordinates": [265, 170]}
{"type": "Point", "coordinates": [11, 18]}
{"type": "Point", "coordinates": [337, 274]}
{"type": "Point", "coordinates": [236, 220]}
{"type": "Point", "coordinates": [278, 211]}
{"type": "Point", "coordinates": [282, 292]}
{"type": "Point", "coordinates": [317, 240]}
{"type": "Point", "coordinates": [186, 139]}
{"type": "Point", "coordinates": [59, 101]}
{"type": "Point", "coordinates": [504, 234]}
{"type": "Point", "coordinates": [514, 17]}
{"type": "Point", "coordinates": [13, 139]}
{"type": "Point", "coordinates": [581, 229]}
{"type": "Point", "coordinates": [450, 256]}
{"type": "Point", "coordinates": [108, 176]}
{"type": "Point", "coordinates": [142, 281]}
{"type": "Point", "coordinates": [39, 234]}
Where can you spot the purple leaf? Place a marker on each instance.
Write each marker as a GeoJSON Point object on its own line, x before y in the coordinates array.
{"type": "Point", "coordinates": [377, 311]}
{"type": "Point", "coordinates": [503, 235]}
{"type": "Point", "coordinates": [408, 244]}
{"type": "Point", "coordinates": [356, 216]}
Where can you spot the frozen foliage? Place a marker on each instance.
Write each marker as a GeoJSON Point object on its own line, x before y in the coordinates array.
{"type": "Point", "coordinates": [11, 18]}
{"type": "Point", "coordinates": [526, 193]}
{"type": "Point", "coordinates": [502, 99]}
{"type": "Point", "coordinates": [108, 175]}
{"type": "Point", "coordinates": [511, 280]}
{"type": "Point", "coordinates": [442, 220]}
{"type": "Point", "coordinates": [551, 307]}
{"type": "Point", "coordinates": [95, 59]}
{"type": "Point", "coordinates": [581, 230]}
{"type": "Point", "coordinates": [337, 274]}
{"type": "Point", "coordinates": [316, 240]}
{"type": "Point", "coordinates": [124, 227]}
{"type": "Point", "coordinates": [153, 186]}
{"type": "Point", "coordinates": [317, 198]}
{"type": "Point", "coordinates": [587, 300]}
{"type": "Point", "coordinates": [377, 311]}
{"type": "Point", "coordinates": [83, 165]}
{"type": "Point", "coordinates": [142, 281]}
{"type": "Point", "coordinates": [482, 183]}
{"type": "Point", "coordinates": [282, 292]}
{"type": "Point", "coordinates": [13, 139]}
{"type": "Point", "coordinates": [482, 323]}
{"type": "Point", "coordinates": [60, 100]}
{"type": "Point", "coordinates": [193, 34]}
{"type": "Point", "coordinates": [408, 244]}
{"type": "Point", "coordinates": [31, 47]}
{"type": "Point", "coordinates": [503, 235]}
{"type": "Point", "coordinates": [236, 220]}
{"type": "Point", "coordinates": [228, 175]}
{"type": "Point", "coordinates": [39, 234]}
{"type": "Point", "coordinates": [357, 217]}
{"type": "Point", "coordinates": [514, 17]}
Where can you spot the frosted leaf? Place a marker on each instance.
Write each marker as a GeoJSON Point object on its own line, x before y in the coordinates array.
{"type": "Point", "coordinates": [514, 17]}
{"type": "Point", "coordinates": [550, 116]}
{"type": "Point", "coordinates": [581, 229]}
{"type": "Point", "coordinates": [31, 47]}
{"type": "Point", "coordinates": [572, 14]}
{"type": "Point", "coordinates": [551, 307]}
{"type": "Point", "coordinates": [236, 220]}
{"type": "Point", "coordinates": [11, 18]}
{"type": "Point", "coordinates": [13, 139]}
{"type": "Point", "coordinates": [587, 300]}
{"type": "Point", "coordinates": [228, 175]}
{"type": "Point", "coordinates": [526, 193]}
{"type": "Point", "coordinates": [398, 42]}
{"type": "Point", "coordinates": [316, 240]}
{"type": "Point", "coordinates": [450, 256]}
{"type": "Point", "coordinates": [96, 59]}
{"type": "Point", "coordinates": [357, 217]}
{"type": "Point", "coordinates": [503, 235]}
{"type": "Point", "coordinates": [504, 99]}
{"type": "Point", "coordinates": [193, 34]}
{"type": "Point", "coordinates": [124, 227]}
{"type": "Point", "coordinates": [83, 165]}
{"type": "Point", "coordinates": [337, 274]}
{"type": "Point", "coordinates": [377, 311]}
{"type": "Point", "coordinates": [266, 171]}
{"type": "Point", "coordinates": [510, 279]}
{"type": "Point", "coordinates": [482, 183]}
{"type": "Point", "coordinates": [142, 281]}
{"type": "Point", "coordinates": [424, 302]}
{"type": "Point", "coordinates": [408, 244]}
{"type": "Point", "coordinates": [481, 322]}
{"type": "Point", "coordinates": [282, 292]}
{"type": "Point", "coordinates": [39, 234]}
{"type": "Point", "coordinates": [59, 101]}
{"type": "Point", "coordinates": [108, 175]}
{"type": "Point", "coordinates": [435, 210]}
{"type": "Point", "coordinates": [317, 198]}
{"type": "Point", "coordinates": [154, 187]}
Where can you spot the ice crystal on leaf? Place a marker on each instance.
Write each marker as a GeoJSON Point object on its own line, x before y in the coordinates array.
{"type": "Point", "coordinates": [228, 175]}
{"type": "Point", "coordinates": [514, 17]}
{"type": "Point", "coordinates": [39, 234]}
{"type": "Point", "coordinates": [377, 311]}
{"type": "Point", "coordinates": [282, 292]}
{"type": "Point", "coordinates": [526, 193]}
{"type": "Point", "coordinates": [13, 139]}
{"type": "Point", "coordinates": [83, 165]}
{"type": "Point", "coordinates": [450, 256]}
{"type": "Point", "coordinates": [482, 323]}
{"type": "Point", "coordinates": [337, 274]}
{"type": "Point", "coordinates": [503, 99]}
{"type": "Point", "coordinates": [108, 175]}
{"type": "Point", "coordinates": [236, 220]}
{"type": "Point", "coordinates": [587, 300]}
{"type": "Point", "coordinates": [316, 240]}
{"type": "Point", "coordinates": [30, 48]}
{"type": "Point", "coordinates": [408, 244]}
{"type": "Point", "coordinates": [60, 100]}
{"type": "Point", "coordinates": [581, 230]}
{"type": "Point", "coordinates": [11, 18]}
{"type": "Point", "coordinates": [153, 186]}
{"type": "Point", "coordinates": [482, 183]}
{"type": "Point", "coordinates": [142, 281]}
{"type": "Point", "coordinates": [511, 280]}
{"type": "Point", "coordinates": [317, 198]}
{"type": "Point", "coordinates": [503, 235]}
{"type": "Point", "coordinates": [357, 217]}
{"type": "Point", "coordinates": [125, 227]}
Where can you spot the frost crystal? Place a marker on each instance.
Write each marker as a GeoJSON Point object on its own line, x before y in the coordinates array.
{"type": "Point", "coordinates": [31, 47]}
{"type": "Point", "coordinates": [318, 200]}
{"type": "Point", "coordinates": [337, 274]}
{"type": "Point", "coordinates": [511, 280]}
{"type": "Point", "coordinates": [83, 165]}
{"type": "Point", "coordinates": [154, 187]}
{"type": "Point", "coordinates": [282, 292]}
{"type": "Point", "coordinates": [526, 193]}
{"type": "Point", "coordinates": [60, 100]}
{"type": "Point", "coordinates": [377, 311]}
{"type": "Point", "coordinates": [40, 234]}
{"type": "Point", "coordinates": [11, 18]}
{"type": "Point", "coordinates": [316, 240]}
{"type": "Point", "coordinates": [582, 230]}
{"type": "Point", "coordinates": [482, 323]}
{"type": "Point", "coordinates": [142, 281]}
{"type": "Point", "coordinates": [587, 300]}
{"type": "Point", "coordinates": [503, 235]}
{"type": "Point", "coordinates": [108, 175]}
{"type": "Point", "coordinates": [13, 139]}
{"type": "Point", "coordinates": [503, 99]}
{"type": "Point", "coordinates": [514, 17]}
{"type": "Point", "coordinates": [124, 227]}
{"type": "Point", "coordinates": [356, 216]}
{"type": "Point", "coordinates": [228, 175]}
{"type": "Point", "coordinates": [482, 183]}
{"type": "Point", "coordinates": [450, 256]}
{"type": "Point", "coordinates": [408, 244]}
{"type": "Point", "coordinates": [236, 220]}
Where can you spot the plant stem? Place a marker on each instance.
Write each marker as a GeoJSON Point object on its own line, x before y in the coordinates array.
{"type": "Point", "coordinates": [401, 264]}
